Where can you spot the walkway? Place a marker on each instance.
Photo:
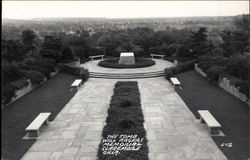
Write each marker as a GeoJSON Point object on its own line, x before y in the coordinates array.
{"type": "Point", "coordinates": [159, 66]}
{"type": "Point", "coordinates": [172, 130]}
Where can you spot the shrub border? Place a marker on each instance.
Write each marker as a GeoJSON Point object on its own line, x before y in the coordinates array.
{"type": "Point", "coordinates": [125, 91]}
{"type": "Point", "coordinates": [107, 64]}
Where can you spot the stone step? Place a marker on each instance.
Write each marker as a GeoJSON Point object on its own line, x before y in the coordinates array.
{"type": "Point", "coordinates": [126, 75]}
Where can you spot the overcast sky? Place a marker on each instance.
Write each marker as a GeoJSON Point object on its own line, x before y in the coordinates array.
{"type": "Point", "coordinates": [121, 9]}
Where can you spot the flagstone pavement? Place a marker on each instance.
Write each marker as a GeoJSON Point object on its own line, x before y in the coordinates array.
{"type": "Point", "coordinates": [173, 132]}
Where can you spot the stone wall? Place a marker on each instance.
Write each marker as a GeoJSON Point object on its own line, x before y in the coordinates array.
{"type": "Point", "coordinates": [200, 71]}
{"type": "Point", "coordinates": [23, 91]}
{"type": "Point", "coordinates": [225, 84]}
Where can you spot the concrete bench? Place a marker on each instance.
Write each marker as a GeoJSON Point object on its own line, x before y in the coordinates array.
{"type": "Point", "coordinates": [157, 55]}
{"type": "Point", "coordinates": [212, 123]}
{"type": "Point", "coordinates": [97, 56]}
{"type": "Point", "coordinates": [33, 128]}
{"type": "Point", "coordinates": [175, 82]}
{"type": "Point", "coordinates": [76, 83]}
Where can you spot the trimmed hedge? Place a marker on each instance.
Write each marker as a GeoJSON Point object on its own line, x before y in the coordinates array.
{"type": "Point", "coordinates": [72, 69]}
{"type": "Point", "coordinates": [169, 72]}
{"type": "Point", "coordinates": [140, 62]}
{"type": "Point", "coordinates": [125, 117]}
{"type": "Point", "coordinates": [78, 71]}
{"type": "Point", "coordinates": [84, 74]}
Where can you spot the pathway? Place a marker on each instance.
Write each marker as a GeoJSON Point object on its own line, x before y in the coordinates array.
{"type": "Point", "coordinates": [172, 130]}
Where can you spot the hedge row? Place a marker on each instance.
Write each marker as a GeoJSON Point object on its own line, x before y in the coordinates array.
{"type": "Point", "coordinates": [78, 71]}
{"type": "Point", "coordinates": [125, 117]}
{"type": "Point", "coordinates": [169, 72]}
{"type": "Point", "coordinates": [140, 62]}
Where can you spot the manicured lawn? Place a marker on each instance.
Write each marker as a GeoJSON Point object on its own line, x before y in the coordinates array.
{"type": "Point", "coordinates": [50, 97]}
{"type": "Point", "coordinates": [232, 114]}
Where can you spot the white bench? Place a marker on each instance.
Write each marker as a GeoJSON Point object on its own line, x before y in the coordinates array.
{"type": "Point", "coordinates": [175, 82]}
{"type": "Point", "coordinates": [76, 83]}
{"type": "Point", "coordinates": [212, 123]}
{"type": "Point", "coordinates": [157, 55]}
{"type": "Point", "coordinates": [97, 56]}
{"type": "Point", "coordinates": [33, 128]}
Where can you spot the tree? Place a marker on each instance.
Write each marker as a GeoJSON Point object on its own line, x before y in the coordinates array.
{"type": "Point", "coordinates": [237, 41]}
{"type": "Point", "coordinates": [234, 42]}
{"type": "Point", "coordinates": [67, 54]}
{"type": "Point", "coordinates": [13, 51]}
{"type": "Point", "coordinates": [199, 43]}
{"type": "Point", "coordinates": [109, 43]}
{"type": "Point", "coordinates": [50, 42]}
{"type": "Point", "coordinates": [28, 37]}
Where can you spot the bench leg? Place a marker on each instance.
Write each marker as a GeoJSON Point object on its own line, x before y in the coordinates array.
{"type": "Point", "coordinates": [34, 133]}
{"type": "Point", "coordinates": [202, 121]}
{"type": "Point", "coordinates": [213, 130]}
{"type": "Point", "coordinates": [46, 122]}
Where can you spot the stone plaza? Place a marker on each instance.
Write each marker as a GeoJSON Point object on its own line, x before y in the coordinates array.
{"type": "Point", "coordinates": [173, 132]}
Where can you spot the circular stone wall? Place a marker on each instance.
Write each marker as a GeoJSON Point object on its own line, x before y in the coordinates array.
{"type": "Point", "coordinates": [140, 62]}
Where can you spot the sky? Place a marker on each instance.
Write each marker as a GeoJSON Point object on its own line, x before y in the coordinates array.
{"type": "Point", "coordinates": [121, 9]}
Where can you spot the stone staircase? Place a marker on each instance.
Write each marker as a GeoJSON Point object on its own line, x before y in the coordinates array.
{"type": "Point", "coordinates": [126, 75]}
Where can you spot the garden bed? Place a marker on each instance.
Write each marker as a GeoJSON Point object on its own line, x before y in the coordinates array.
{"type": "Point", "coordinates": [124, 136]}
{"type": "Point", "coordinates": [140, 62]}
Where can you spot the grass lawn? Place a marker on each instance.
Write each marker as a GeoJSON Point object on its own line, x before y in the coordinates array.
{"type": "Point", "coordinates": [231, 113]}
{"type": "Point", "coordinates": [50, 97]}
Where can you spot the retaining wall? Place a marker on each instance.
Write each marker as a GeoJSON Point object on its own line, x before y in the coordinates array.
{"type": "Point", "coordinates": [23, 91]}
{"type": "Point", "coordinates": [200, 71]}
{"type": "Point", "coordinates": [224, 83]}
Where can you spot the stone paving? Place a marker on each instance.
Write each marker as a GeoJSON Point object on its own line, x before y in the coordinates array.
{"type": "Point", "coordinates": [173, 132]}
{"type": "Point", "coordinates": [76, 131]}
{"type": "Point", "coordinates": [159, 66]}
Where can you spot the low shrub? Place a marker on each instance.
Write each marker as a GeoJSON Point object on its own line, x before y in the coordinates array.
{"type": "Point", "coordinates": [207, 61]}
{"type": "Point", "coordinates": [20, 83]}
{"type": "Point", "coordinates": [8, 92]}
{"type": "Point", "coordinates": [244, 87]}
{"type": "Point", "coordinates": [44, 70]}
{"type": "Point", "coordinates": [84, 74]}
{"type": "Point", "coordinates": [72, 69]}
{"type": "Point", "coordinates": [169, 72]}
{"type": "Point", "coordinates": [238, 66]}
{"type": "Point", "coordinates": [214, 72]}
{"type": "Point", "coordinates": [35, 77]}
{"type": "Point", "coordinates": [140, 62]}
{"type": "Point", "coordinates": [183, 67]}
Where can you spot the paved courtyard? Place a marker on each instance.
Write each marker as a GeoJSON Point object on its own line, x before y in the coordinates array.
{"type": "Point", "coordinates": [173, 132]}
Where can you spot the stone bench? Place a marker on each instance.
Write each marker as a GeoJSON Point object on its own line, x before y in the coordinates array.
{"type": "Point", "coordinates": [33, 128]}
{"type": "Point", "coordinates": [77, 83]}
{"type": "Point", "coordinates": [175, 82]}
{"type": "Point", "coordinates": [97, 56]}
{"type": "Point", "coordinates": [157, 55]}
{"type": "Point", "coordinates": [212, 123]}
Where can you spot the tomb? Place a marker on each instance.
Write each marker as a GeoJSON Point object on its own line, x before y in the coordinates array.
{"type": "Point", "coordinates": [127, 58]}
